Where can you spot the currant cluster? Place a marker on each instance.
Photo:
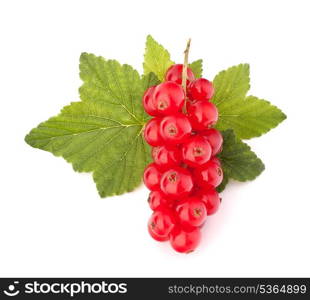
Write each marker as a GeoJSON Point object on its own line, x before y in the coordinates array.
{"type": "Point", "coordinates": [185, 172]}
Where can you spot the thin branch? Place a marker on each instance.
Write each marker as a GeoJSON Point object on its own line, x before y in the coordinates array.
{"type": "Point", "coordinates": [184, 71]}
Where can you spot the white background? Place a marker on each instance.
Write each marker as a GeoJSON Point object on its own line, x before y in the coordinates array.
{"type": "Point", "coordinates": [52, 221]}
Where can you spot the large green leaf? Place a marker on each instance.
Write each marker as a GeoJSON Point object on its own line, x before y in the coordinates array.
{"type": "Point", "coordinates": [102, 134]}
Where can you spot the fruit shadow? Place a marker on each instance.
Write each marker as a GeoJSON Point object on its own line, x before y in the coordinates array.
{"type": "Point", "coordinates": [215, 224]}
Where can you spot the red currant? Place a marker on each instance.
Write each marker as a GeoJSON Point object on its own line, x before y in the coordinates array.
{"type": "Point", "coordinates": [168, 98]}
{"type": "Point", "coordinates": [215, 139]}
{"type": "Point", "coordinates": [196, 151]}
{"type": "Point", "coordinates": [161, 224]}
{"type": "Point", "coordinates": [202, 114]}
{"type": "Point", "coordinates": [151, 132]}
{"type": "Point", "coordinates": [174, 74]}
{"type": "Point", "coordinates": [176, 183]}
{"type": "Point", "coordinates": [175, 129]}
{"type": "Point", "coordinates": [200, 89]}
{"type": "Point", "coordinates": [191, 212]}
{"type": "Point", "coordinates": [166, 156]}
{"type": "Point", "coordinates": [157, 200]}
{"type": "Point", "coordinates": [216, 160]}
{"type": "Point", "coordinates": [185, 240]}
{"type": "Point", "coordinates": [151, 177]}
{"type": "Point", "coordinates": [211, 200]}
{"type": "Point", "coordinates": [208, 175]}
{"type": "Point", "coordinates": [148, 102]}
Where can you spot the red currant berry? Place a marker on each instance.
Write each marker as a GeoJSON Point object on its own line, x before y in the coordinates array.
{"type": "Point", "coordinates": [151, 132]}
{"type": "Point", "coordinates": [200, 89]}
{"type": "Point", "coordinates": [216, 160]}
{"type": "Point", "coordinates": [161, 224]}
{"type": "Point", "coordinates": [174, 74]}
{"type": "Point", "coordinates": [211, 199]}
{"type": "Point", "coordinates": [202, 114]}
{"type": "Point", "coordinates": [151, 177]}
{"type": "Point", "coordinates": [148, 102]}
{"type": "Point", "coordinates": [208, 175]}
{"type": "Point", "coordinates": [175, 129]}
{"type": "Point", "coordinates": [166, 156]}
{"type": "Point", "coordinates": [196, 151]}
{"type": "Point", "coordinates": [157, 200]}
{"type": "Point", "coordinates": [185, 240]}
{"type": "Point", "coordinates": [191, 212]}
{"type": "Point", "coordinates": [168, 98]}
{"type": "Point", "coordinates": [176, 183]}
{"type": "Point", "coordinates": [215, 139]}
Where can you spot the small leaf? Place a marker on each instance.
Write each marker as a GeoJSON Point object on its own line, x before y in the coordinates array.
{"type": "Point", "coordinates": [231, 84]}
{"type": "Point", "coordinates": [238, 161]}
{"type": "Point", "coordinates": [102, 134]}
{"type": "Point", "coordinates": [156, 58]}
{"type": "Point", "coordinates": [248, 118]}
{"type": "Point", "coordinates": [196, 67]}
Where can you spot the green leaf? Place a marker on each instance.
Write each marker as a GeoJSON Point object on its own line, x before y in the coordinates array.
{"type": "Point", "coordinates": [196, 67]}
{"type": "Point", "coordinates": [238, 161]}
{"type": "Point", "coordinates": [101, 134]}
{"type": "Point", "coordinates": [156, 58]}
{"type": "Point", "coordinates": [231, 84]}
{"type": "Point", "coordinates": [149, 80]}
{"type": "Point", "coordinates": [110, 83]}
{"type": "Point", "coordinates": [248, 118]}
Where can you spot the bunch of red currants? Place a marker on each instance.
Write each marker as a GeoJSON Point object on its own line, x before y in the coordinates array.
{"type": "Point", "coordinates": [185, 171]}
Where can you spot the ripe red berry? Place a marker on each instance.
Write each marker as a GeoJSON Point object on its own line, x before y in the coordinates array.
{"type": "Point", "coordinates": [208, 175]}
{"type": "Point", "coordinates": [176, 183]}
{"type": "Point", "coordinates": [200, 89]}
{"type": "Point", "coordinates": [161, 224]}
{"type": "Point", "coordinates": [152, 177]}
{"type": "Point", "coordinates": [168, 98]}
{"type": "Point", "coordinates": [185, 240]}
{"type": "Point", "coordinates": [196, 151]}
{"type": "Point", "coordinates": [191, 212]}
{"type": "Point", "coordinates": [175, 129]}
{"type": "Point", "coordinates": [148, 102]}
{"type": "Point", "coordinates": [216, 160]}
{"type": "Point", "coordinates": [174, 74]}
{"type": "Point", "coordinates": [157, 200]}
{"type": "Point", "coordinates": [151, 132]}
{"type": "Point", "coordinates": [202, 114]}
{"type": "Point", "coordinates": [215, 139]}
{"type": "Point", "coordinates": [166, 156]}
{"type": "Point", "coordinates": [211, 200]}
